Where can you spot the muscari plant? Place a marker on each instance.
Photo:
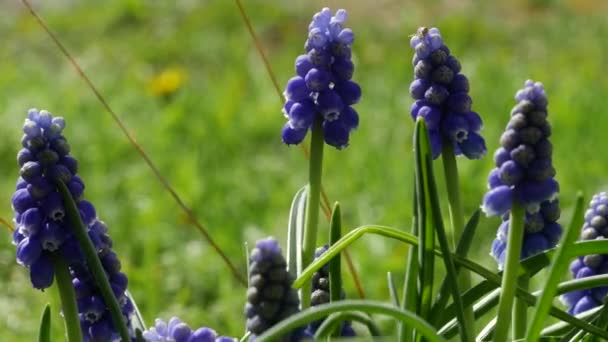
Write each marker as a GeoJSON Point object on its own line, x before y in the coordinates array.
{"type": "Point", "coordinates": [298, 296]}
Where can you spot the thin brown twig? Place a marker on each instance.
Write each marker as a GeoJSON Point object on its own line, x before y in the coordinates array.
{"type": "Point", "coordinates": [324, 199]}
{"type": "Point", "coordinates": [164, 182]}
{"type": "Point", "coordinates": [7, 224]}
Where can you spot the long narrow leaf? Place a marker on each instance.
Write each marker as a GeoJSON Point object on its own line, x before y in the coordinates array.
{"type": "Point", "coordinates": [602, 321]}
{"type": "Point", "coordinates": [394, 233]}
{"type": "Point", "coordinates": [44, 331]}
{"type": "Point", "coordinates": [335, 277]}
{"type": "Point", "coordinates": [560, 263]}
{"type": "Point", "coordinates": [392, 289]}
{"type": "Point", "coordinates": [333, 322]}
{"type": "Point", "coordinates": [464, 243]}
{"type": "Point", "coordinates": [491, 300]}
{"type": "Point", "coordinates": [562, 328]}
{"type": "Point", "coordinates": [312, 314]}
{"type": "Point", "coordinates": [295, 229]}
{"type": "Point", "coordinates": [426, 259]}
{"type": "Point", "coordinates": [436, 224]}
{"type": "Point", "coordinates": [410, 290]}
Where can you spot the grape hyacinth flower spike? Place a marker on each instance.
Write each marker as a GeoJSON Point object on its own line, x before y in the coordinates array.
{"type": "Point", "coordinates": [177, 331]}
{"type": "Point", "coordinates": [323, 90]}
{"type": "Point", "coordinates": [522, 189]}
{"type": "Point", "coordinates": [524, 170]}
{"type": "Point", "coordinates": [524, 173]}
{"type": "Point", "coordinates": [45, 233]}
{"type": "Point", "coordinates": [595, 227]}
{"type": "Point", "coordinates": [442, 97]}
{"type": "Point", "coordinates": [270, 297]}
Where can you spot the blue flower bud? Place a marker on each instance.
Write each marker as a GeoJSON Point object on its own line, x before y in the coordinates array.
{"type": "Point", "coordinates": [30, 222]}
{"type": "Point", "coordinates": [28, 251]}
{"type": "Point", "coordinates": [336, 133]}
{"type": "Point", "coordinates": [22, 200]}
{"type": "Point", "coordinates": [317, 79]}
{"type": "Point", "coordinates": [329, 105]}
{"type": "Point", "coordinates": [42, 273]}
{"type": "Point", "coordinates": [292, 136]}
{"type": "Point", "coordinates": [474, 147]}
{"type": "Point", "coordinates": [498, 200]}
{"type": "Point", "coordinates": [30, 170]}
{"type": "Point", "coordinates": [24, 156]}
{"type": "Point", "coordinates": [349, 91]}
{"type": "Point", "coordinates": [296, 89]}
{"type": "Point", "coordinates": [302, 114]}
{"type": "Point", "coordinates": [302, 65]}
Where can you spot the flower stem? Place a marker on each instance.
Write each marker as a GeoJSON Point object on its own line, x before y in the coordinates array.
{"type": "Point", "coordinates": [312, 203]}
{"type": "Point", "coordinates": [450, 170]}
{"type": "Point", "coordinates": [520, 312]}
{"type": "Point", "coordinates": [509, 277]}
{"type": "Point", "coordinates": [93, 262]}
{"type": "Point", "coordinates": [68, 298]}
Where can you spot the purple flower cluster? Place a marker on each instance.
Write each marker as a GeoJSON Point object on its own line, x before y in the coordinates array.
{"type": "Point", "coordinates": [320, 295]}
{"type": "Point", "coordinates": [270, 297]}
{"type": "Point", "coordinates": [595, 227]}
{"type": "Point", "coordinates": [442, 99]}
{"type": "Point", "coordinates": [177, 331]}
{"type": "Point", "coordinates": [524, 173]}
{"type": "Point", "coordinates": [323, 88]}
{"type": "Point", "coordinates": [541, 232]}
{"type": "Point", "coordinates": [43, 232]}
{"type": "Point", "coordinates": [524, 170]}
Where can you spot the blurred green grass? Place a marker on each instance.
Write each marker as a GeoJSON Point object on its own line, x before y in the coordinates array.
{"type": "Point", "coordinates": [217, 138]}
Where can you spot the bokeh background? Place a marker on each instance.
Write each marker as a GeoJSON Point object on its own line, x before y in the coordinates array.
{"type": "Point", "coordinates": [187, 81]}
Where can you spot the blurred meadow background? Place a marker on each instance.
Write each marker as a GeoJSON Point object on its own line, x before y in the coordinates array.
{"type": "Point", "coordinates": [187, 81]}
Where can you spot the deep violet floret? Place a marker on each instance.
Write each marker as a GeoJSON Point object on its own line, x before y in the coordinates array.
{"type": "Point", "coordinates": [442, 97]}
{"type": "Point", "coordinates": [524, 173]}
{"type": "Point", "coordinates": [43, 232]}
{"type": "Point", "coordinates": [177, 331]}
{"type": "Point", "coordinates": [595, 227]}
{"type": "Point", "coordinates": [322, 88]}
{"type": "Point", "coordinates": [270, 297]}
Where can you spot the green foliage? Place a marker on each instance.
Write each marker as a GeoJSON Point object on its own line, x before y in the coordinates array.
{"type": "Point", "coordinates": [216, 138]}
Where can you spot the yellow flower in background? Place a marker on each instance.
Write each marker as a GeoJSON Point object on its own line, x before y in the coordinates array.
{"type": "Point", "coordinates": [167, 82]}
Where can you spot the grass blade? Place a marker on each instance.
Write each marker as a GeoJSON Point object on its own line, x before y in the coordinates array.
{"type": "Point", "coordinates": [335, 277]}
{"type": "Point", "coordinates": [304, 317]}
{"type": "Point", "coordinates": [295, 231]}
{"type": "Point", "coordinates": [44, 332]}
{"type": "Point", "coordinates": [392, 289]}
{"type": "Point", "coordinates": [464, 244]}
{"type": "Point", "coordinates": [399, 235]}
{"type": "Point", "coordinates": [602, 321]}
{"type": "Point", "coordinates": [334, 321]}
{"type": "Point", "coordinates": [410, 289]}
{"type": "Point", "coordinates": [436, 224]}
{"type": "Point", "coordinates": [560, 264]}
{"type": "Point", "coordinates": [426, 259]}
{"type": "Point", "coordinates": [561, 328]}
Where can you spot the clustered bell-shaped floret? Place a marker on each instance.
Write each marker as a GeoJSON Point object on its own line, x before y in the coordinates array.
{"type": "Point", "coordinates": [595, 227]}
{"type": "Point", "coordinates": [177, 331]}
{"type": "Point", "coordinates": [524, 170]}
{"type": "Point", "coordinates": [541, 232]}
{"type": "Point", "coordinates": [321, 295]}
{"type": "Point", "coordinates": [43, 231]}
{"type": "Point", "coordinates": [270, 297]}
{"type": "Point", "coordinates": [524, 173]}
{"type": "Point", "coordinates": [442, 97]}
{"type": "Point", "coordinates": [322, 88]}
